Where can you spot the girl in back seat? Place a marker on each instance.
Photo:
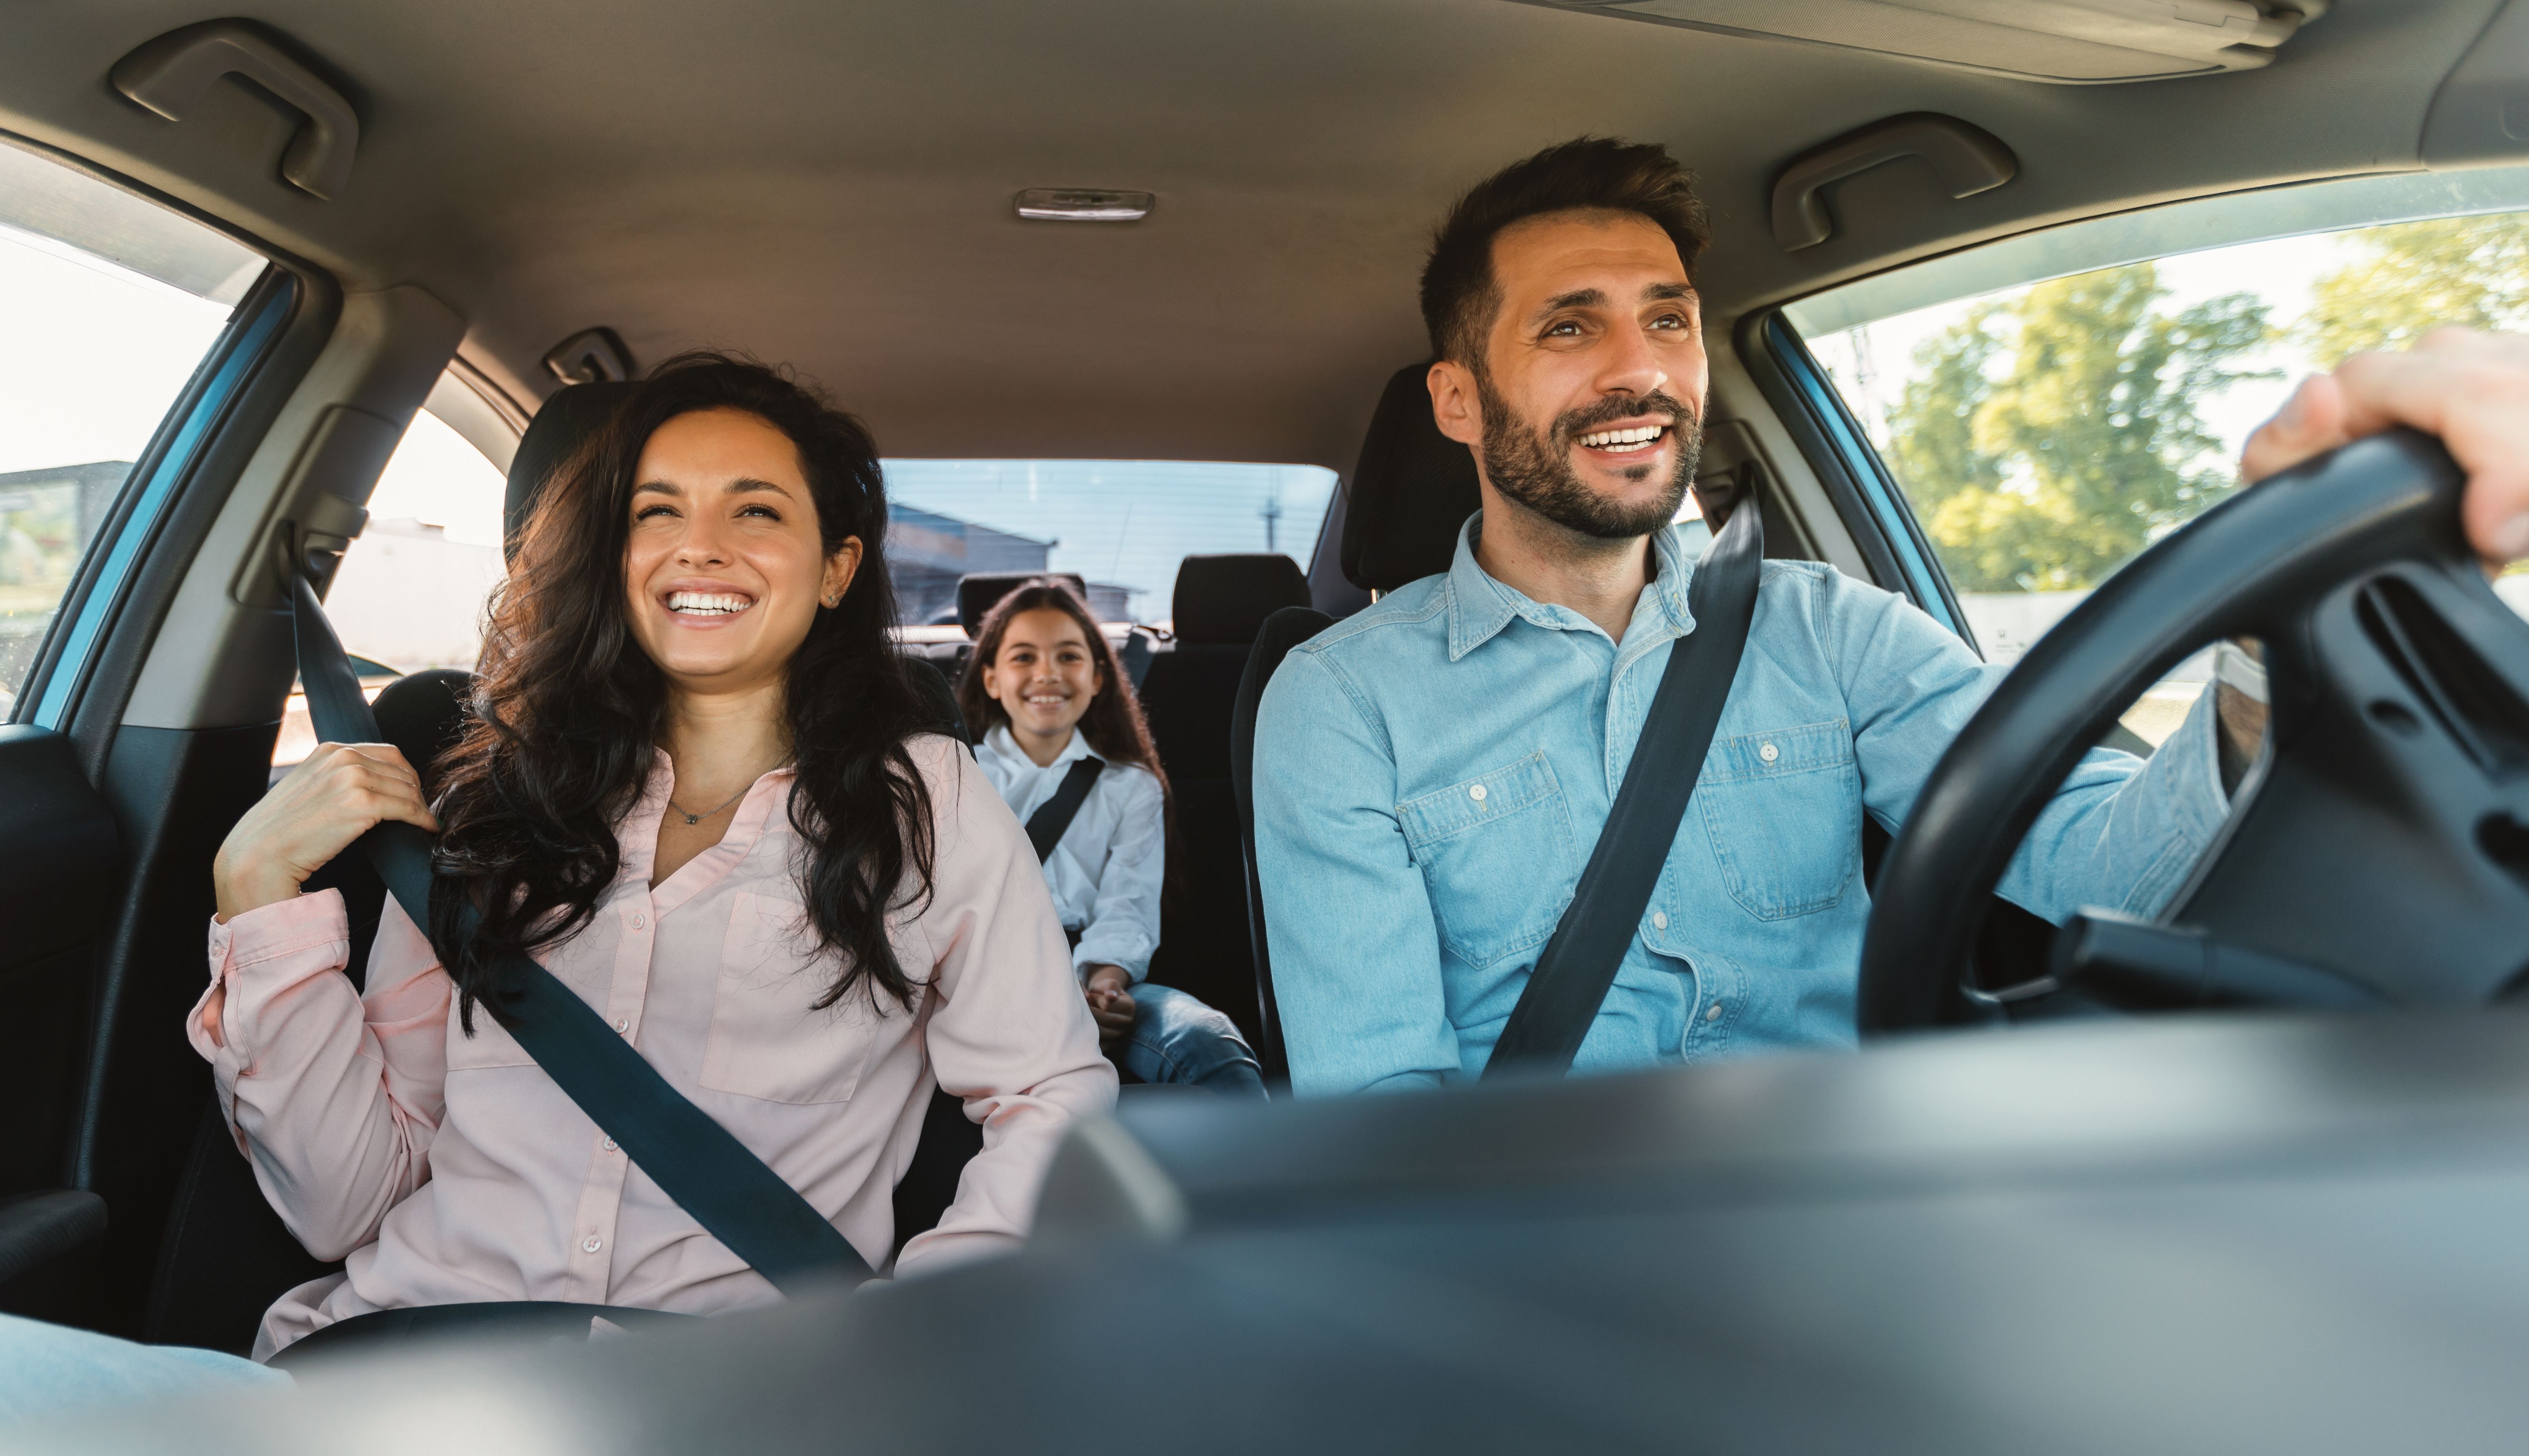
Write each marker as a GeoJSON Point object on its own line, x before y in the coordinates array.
{"type": "Point", "coordinates": [1062, 738]}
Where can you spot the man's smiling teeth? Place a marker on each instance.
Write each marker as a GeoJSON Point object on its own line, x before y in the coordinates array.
{"type": "Point", "coordinates": [1623, 440]}
{"type": "Point", "coordinates": [708, 603]}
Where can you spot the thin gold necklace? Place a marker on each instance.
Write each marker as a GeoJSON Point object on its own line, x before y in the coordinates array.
{"type": "Point", "coordinates": [725, 803]}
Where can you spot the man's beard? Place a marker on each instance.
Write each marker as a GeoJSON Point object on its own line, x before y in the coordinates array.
{"type": "Point", "coordinates": [1535, 468]}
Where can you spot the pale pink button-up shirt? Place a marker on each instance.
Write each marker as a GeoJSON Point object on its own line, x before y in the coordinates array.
{"type": "Point", "coordinates": [446, 1169]}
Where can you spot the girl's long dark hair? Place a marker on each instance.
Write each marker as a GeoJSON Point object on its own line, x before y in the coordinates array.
{"type": "Point", "coordinates": [1113, 725]}
{"type": "Point", "coordinates": [568, 709]}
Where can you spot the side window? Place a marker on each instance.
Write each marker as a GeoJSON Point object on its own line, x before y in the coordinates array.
{"type": "Point", "coordinates": [2047, 432]}
{"type": "Point", "coordinates": [410, 592]}
{"type": "Point", "coordinates": [108, 306]}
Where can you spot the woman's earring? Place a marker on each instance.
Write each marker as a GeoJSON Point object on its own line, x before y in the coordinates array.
{"type": "Point", "coordinates": [834, 601]}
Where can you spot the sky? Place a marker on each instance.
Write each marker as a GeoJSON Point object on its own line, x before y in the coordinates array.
{"type": "Point", "coordinates": [73, 323]}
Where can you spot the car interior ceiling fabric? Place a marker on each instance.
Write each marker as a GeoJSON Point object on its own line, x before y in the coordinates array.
{"type": "Point", "coordinates": [1188, 698]}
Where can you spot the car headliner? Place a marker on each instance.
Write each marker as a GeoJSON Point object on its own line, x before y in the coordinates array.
{"type": "Point", "coordinates": [829, 183]}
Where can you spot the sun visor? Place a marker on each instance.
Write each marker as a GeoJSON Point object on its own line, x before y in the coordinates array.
{"type": "Point", "coordinates": [2060, 40]}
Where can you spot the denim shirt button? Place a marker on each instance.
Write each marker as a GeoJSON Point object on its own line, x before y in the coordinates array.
{"type": "Point", "coordinates": [1659, 920]}
{"type": "Point", "coordinates": [1476, 792]}
{"type": "Point", "coordinates": [1768, 752]}
{"type": "Point", "coordinates": [1713, 1013]}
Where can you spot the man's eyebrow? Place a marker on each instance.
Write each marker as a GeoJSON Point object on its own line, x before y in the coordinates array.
{"type": "Point", "coordinates": [1663, 290]}
{"type": "Point", "coordinates": [1577, 299]}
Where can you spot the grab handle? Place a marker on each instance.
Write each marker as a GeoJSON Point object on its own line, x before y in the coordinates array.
{"type": "Point", "coordinates": [171, 74]}
{"type": "Point", "coordinates": [1967, 159]}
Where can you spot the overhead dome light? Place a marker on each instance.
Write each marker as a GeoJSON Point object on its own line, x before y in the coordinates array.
{"type": "Point", "coordinates": [1083, 205]}
{"type": "Point", "coordinates": [2063, 40]}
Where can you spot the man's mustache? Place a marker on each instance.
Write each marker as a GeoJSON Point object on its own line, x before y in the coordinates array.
{"type": "Point", "coordinates": [1572, 424]}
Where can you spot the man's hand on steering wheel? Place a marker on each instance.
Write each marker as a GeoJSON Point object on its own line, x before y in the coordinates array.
{"type": "Point", "coordinates": [2472, 389]}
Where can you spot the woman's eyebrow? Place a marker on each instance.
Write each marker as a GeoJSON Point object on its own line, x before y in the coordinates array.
{"type": "Point", "coordinates": [658, 488]}
{"type": "Point", "coordinates": [745, 483]}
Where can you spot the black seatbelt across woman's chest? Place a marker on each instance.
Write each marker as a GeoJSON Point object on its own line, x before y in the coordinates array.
{"type": "Point", "coordinates": [713, 1176]}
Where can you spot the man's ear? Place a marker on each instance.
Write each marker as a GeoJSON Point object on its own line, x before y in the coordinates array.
{"type": "Point", "coordinates": [1456, 407]}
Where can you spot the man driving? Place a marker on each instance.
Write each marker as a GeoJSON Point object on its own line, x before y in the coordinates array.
{"type": "Point", "coordinates": [1433, 772]}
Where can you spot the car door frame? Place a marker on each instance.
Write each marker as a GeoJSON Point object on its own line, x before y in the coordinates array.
{"type": "Point", "coordinates": [118, 914]}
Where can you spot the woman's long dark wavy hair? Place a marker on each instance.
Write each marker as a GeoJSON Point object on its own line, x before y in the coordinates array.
{"type": "Point", "coordinates": [568, 710]}
{"type": "Point", "coordinates": [1113, 725]}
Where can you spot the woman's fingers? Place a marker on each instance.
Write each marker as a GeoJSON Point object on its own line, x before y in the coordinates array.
{"type": "Point", "coordinates": [310, 817]}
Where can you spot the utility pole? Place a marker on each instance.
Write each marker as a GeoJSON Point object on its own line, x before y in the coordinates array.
{"type": "Point", "coordinates": [1272, 513]}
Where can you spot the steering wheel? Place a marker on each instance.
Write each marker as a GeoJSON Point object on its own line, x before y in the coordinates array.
{"type": "Point", "coordinates": [2377, 854]}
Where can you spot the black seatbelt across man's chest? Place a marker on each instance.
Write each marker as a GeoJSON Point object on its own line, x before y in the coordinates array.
{"type": "Point", "coordinates": [1579, 966]}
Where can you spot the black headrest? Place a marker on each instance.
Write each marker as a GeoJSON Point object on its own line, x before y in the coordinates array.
{"type": "Point", "coordinates": [979, 592]}
{"type": "Point", "coordinates": [1410, 491]}
{"type": "Point", "coordinates": [569, 417]}
{"type": "Point", "coordinates": [422, 713]}
{"type": "Point", "coordinates": [1226, 597]}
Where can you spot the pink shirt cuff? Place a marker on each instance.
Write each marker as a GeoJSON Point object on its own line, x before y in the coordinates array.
{"type": "Point", "coordinates": [282, 928]}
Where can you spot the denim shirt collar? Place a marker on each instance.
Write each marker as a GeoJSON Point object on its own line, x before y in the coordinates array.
{"type": "Point", "coordinates": [1479, 607]}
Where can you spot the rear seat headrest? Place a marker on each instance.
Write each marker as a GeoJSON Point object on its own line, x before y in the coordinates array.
{"type": "Point", "coordinates": [568, 417]}
{"type": "Point", "coordinates": [1226, 597]}
{"type": "Point", "coordinates": [979, 592]}
{"type": "Point", "coordinates": [1411, 490]}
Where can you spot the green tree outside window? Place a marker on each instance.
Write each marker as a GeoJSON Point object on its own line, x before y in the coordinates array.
{"type": "Point", "coordinates": [2048, 439]}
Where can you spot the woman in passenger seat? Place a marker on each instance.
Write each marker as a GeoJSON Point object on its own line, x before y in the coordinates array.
{"type": "Point", "coordinates": [699, 788]}
{"type": "Point", "coordinates": [1044, 687]}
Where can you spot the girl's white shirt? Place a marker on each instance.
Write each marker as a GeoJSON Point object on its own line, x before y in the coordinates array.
{"type": "Point", "coordinates": [1105, 871]}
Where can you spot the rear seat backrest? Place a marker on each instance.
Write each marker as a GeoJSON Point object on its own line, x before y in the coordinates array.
{"type": "Point", "coordinates": [1221, 603]}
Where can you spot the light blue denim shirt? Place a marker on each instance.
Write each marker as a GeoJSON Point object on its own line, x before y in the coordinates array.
{"type": "Point", "coordinates": [1432, 772]}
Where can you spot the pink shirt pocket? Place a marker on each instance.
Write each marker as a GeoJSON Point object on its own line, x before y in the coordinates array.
{"type": "Point", "coordinates": [768, 1040]}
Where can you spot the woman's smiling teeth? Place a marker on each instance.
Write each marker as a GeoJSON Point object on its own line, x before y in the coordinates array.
{"type": "Point", "coordinates": [1623, 442]}
{"type": "Point", "coordinates": [708, 603]}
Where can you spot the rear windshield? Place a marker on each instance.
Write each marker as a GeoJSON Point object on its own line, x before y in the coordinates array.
{"type": "Point", "coordinates": [1121, 525]}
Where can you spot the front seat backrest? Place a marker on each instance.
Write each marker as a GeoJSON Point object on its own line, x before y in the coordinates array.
{"type": "Point", "coordinates": [1410, 490]}
{"type": "Point", "coordinates": [1282, 631]}
{"type": "Point", "coordinates": [568, 417]}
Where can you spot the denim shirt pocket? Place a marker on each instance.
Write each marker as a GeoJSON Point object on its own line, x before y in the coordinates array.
{"type": "Point", "coordinates": [1783, 811]}
{"type": "Point", "coordinates": [1496, 853]}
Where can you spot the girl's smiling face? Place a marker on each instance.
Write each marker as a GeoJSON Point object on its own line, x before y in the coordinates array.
{"type": "Point", "coordinates": [1044, 676]}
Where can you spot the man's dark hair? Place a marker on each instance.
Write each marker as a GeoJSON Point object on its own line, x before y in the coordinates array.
{"type": "Point", "coordinates": [1459, 295]}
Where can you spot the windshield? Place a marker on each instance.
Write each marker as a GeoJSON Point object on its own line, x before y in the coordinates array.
{"type": "Point", "coordinates": [1121, 525]}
